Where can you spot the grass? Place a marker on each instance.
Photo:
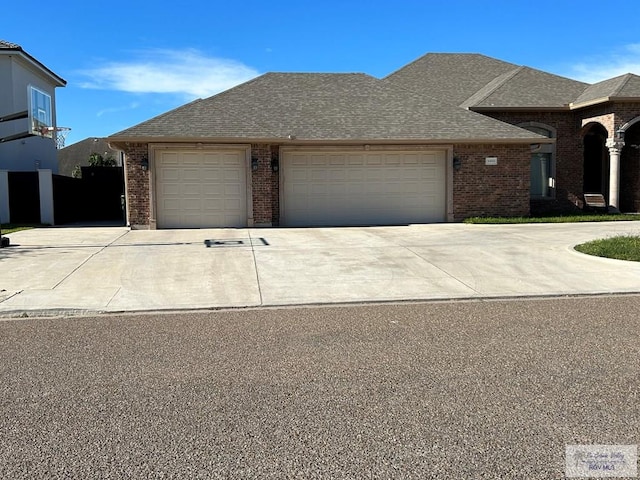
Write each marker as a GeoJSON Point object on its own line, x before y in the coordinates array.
{"type": "Point", "coordinates": [625, 247]}
{"type": "Point", "coordinates": [8, 228]}
{"type": "Point", "coordinates": [615, 217]}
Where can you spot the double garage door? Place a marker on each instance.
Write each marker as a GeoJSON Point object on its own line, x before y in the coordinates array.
{"type": "Point", "coordinates": [199, 189]}
{"type": "Point", "coordinates": [363, 188]}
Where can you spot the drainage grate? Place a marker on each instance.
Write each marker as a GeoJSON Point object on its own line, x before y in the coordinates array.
{"type": "Point", "coordinates": [236, 242]}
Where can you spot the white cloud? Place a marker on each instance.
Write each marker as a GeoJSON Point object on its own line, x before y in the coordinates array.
{"type": "Point", "coordinates": [596, 69]}
{"type": "Point", "coordinates": [131, 106]}
{"type": "Point", "coordinates": [188, 72]}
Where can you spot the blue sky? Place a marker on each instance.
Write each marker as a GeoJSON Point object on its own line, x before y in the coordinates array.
{"type": "Point", "coordinates": [128, 61]}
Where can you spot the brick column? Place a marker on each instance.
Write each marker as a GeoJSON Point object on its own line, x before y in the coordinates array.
{"type": "Point", "coordinates": [261, 184]}
{"type": "Point", "coordinates": [138, 201]}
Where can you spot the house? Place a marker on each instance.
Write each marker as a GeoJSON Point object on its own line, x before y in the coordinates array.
{"type": "Point", "coordinates": [26, 85]}
{"type": "Point", "coordinates": [78, 154]}
{"type": "Point", "coordinates": [446, 137]}
{"type": "Point", "coordinates": [27, 130]}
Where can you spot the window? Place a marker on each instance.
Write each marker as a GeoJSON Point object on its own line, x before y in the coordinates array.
{"type": "Point", "coordinates": [540, 174]}
{"type": "Point", "coordinates": [542, 162]}
{"type": "Point", "coordinates": [40, 112]}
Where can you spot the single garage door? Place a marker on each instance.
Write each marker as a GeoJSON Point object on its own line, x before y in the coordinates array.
{"type": "Point", "coordinates": [363, 188]}
{"type": "Point", "coordinates": [200, 189]}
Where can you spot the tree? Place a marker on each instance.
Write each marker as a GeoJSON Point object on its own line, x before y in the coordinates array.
{"type": "Point", "coordinates": [97, 160]}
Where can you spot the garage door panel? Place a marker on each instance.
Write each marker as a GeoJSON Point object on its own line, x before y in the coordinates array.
{"type": "Point", "coordinates": [191, 204]}
{"type": "Point", "coordinates": [232, 175]}
{"type": "Point", "coordinates": [192, 189]}
{"type": "Point", "coordinates": [201, 189]}
{"type": "Point", "coordinates": [316, 175]}
{"type": "Point", "coordinates": [190, 161]}
{"type": "Point", "coordinates": [170, 158]}
{"type": "Point", "coordinates": [363, 188]}
{"type": "Point", "coordinates": [170, 174]}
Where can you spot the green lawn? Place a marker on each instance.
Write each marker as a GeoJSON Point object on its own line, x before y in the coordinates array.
{"type": "Point", "coordinates": [616, 217]}
{"type": "Point", "coordinates": [8, 228]}
{"type": "Point", "coordinates": [625, 247]}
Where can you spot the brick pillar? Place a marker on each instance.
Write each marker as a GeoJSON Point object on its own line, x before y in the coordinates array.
{"type": "Point", "coordinates": [275, 187]}
{"type": "Point", "coordinates": [138, 200]}
{"type": "Point", "coordinates": [261, 184]}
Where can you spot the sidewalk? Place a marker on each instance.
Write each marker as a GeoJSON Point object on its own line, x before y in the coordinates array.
{"type": "Point", "coordinates": [113, 269]}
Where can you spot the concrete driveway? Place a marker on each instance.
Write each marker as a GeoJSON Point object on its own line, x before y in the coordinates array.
{"type": "Point", "coordinates": [78, 270]}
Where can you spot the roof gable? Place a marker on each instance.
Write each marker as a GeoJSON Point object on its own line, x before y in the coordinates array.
{"type": "Point", "coordinates": [321, 107]}
{"type": "Point", "coordinates": [527, 87]}
{"type": "Point", "coordinates": [10, 48]}
{"type": "Point", "coordinates": [623, 86]}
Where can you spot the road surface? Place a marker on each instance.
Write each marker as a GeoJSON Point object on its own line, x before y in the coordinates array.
{"type": "Point", "coordinates": [482, 389]}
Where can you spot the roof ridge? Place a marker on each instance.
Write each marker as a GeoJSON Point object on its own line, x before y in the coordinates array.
{"type": "Point", "coordinates": [406, 65]}
{"type": "Point", "coordinates": [506, 77]}
{"type": "Point", "coordinates": [318, 74]}
{"type": "Point", "coordinates": [627, 77]}
{"type": "Point", "coordinates": [9, 45]}
{"type": "Point", "coordinates": [438, 54]}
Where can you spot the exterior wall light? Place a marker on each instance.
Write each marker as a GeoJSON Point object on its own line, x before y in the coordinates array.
{"type": "Point", "coordinates": [254, 164]}
{"type": "Point", "coordinates": [457, 163]}
{"type": "Point", "coordinates": [619, 135]}
{"type": "Point", "coordinates": [275, 165]}
{"type": "Point", "coordinates": [144, 163]}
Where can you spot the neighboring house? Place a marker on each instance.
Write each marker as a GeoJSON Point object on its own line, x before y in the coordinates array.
{"type": "Point", "coordinates": [446, 137]}
{"type": "Point", "coordinates": [26, 85]}
{"type": "Point", "coordinates": [27, 135]}
{"type": "Point", "coordinates": [78, 154]}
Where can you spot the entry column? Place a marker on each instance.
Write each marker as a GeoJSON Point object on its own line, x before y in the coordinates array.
{"type": "Point", "coordinates": [615, 148]}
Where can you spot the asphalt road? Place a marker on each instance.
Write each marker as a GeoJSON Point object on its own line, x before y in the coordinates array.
{"type": "Point", "coordinates": [483, 389]}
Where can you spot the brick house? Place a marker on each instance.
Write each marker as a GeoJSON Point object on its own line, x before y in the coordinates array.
{"type": "Point", "coordinates": [446, 137]}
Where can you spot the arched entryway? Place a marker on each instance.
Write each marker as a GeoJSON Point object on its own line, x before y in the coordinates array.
{"type": "Point", "coordinates": [630, 169]}
{"type": "Point", "coordinates": [596, 160]}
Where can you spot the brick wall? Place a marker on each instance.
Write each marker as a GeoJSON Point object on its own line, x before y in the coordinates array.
{"type": "Point", "coordinates": [138, 201]}
{"type": "Point", "coordinates": [491, 190]}
{"type": "Point", "coordinates": [612, 115]}
{"type": "Point", "coordinates": [478, 189]}
{"type": "Point", "coordinates": [569, 158]}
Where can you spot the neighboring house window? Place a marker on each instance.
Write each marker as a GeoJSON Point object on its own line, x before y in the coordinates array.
{"type": "Point", "coordinates": [40, 109]}
{"type": "Point", "coordinates": [542, 162]}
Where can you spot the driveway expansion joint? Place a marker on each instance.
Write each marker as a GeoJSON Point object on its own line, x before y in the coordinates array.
{"type": "Point", "coordinates": [443, 270]}
{"type": "Point", "coordinates": [89, 258]}
{"type": "Point", "coordinates": [255, 265]}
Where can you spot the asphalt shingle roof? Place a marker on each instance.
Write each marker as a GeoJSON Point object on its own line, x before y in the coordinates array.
{"type": "Point", "coordinates": [624, 86]}
{"type": "Point", "coordinates": [429, 100]}
{"type": "Point", "coordinates": [451, 77]}
{"type": "Point", "coordinates": [527, 87]}
{"type": "Point", "coordinates": [473, 80]}
{"type": "Point", "coordinates": [321, 107]}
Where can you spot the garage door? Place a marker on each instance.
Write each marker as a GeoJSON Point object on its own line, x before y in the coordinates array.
{"type": "Point", "coordinates": [201, 189]}
{"type": "Point", "coordinates": [363, 188]}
